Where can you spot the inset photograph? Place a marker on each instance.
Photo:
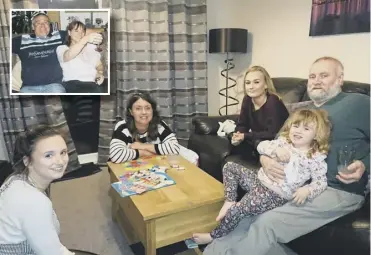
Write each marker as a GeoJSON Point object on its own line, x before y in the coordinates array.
{"type": "Point", "coordinates": [60, 52]}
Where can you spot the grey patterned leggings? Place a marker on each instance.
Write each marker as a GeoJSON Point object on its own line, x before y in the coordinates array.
{"type": "Point", "coordinates": [258, 198]}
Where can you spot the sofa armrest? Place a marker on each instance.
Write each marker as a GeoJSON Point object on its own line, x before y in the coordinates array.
{"type": "Point", "coordinates": [212, 151]}
{"type": "Point", "coordinates": [211, 144]}
{"type": "Point", "coordinates": [208, 125]}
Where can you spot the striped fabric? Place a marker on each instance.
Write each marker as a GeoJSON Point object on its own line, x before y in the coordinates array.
{"type": "Point", "coordinates": [165, 143]}
{"type": "Point", "coordinates": [29, 42]}
{"type": "Point", "coordinates": [157, 46]}
{"type": "Point", "coordinates": [17, 113]}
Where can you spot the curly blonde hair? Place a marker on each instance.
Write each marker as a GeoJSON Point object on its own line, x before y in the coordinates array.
{"type": "Point", "coordinates": [323, 128]}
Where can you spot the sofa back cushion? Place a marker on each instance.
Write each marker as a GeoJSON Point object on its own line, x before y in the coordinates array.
{"type": "Point", "coordinates": [291, 107]}
{"type": "Point", "coordinates": [290, 89]}
{"type": "Point", "coordinates": [209, 125]}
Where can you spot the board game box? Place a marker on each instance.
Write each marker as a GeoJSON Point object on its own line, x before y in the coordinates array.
{"type": "Point", "coordinates": [138, 182]}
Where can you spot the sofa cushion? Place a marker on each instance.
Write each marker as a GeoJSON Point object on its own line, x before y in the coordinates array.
{"type": "Point", "coordinates": [347, 235]}
{"type": "Point", "coordinates": [209, 125]}
{"type": "Point", "coordinates": [16, 76]}
{"type": "Point", "coordinates": [290, 89]}
{"type": "Point", "coordinates": [291, 107]}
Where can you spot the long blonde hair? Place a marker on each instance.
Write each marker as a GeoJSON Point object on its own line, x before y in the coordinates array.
{"type": "Point", "coordinates": [267, 78]}
{"type": "Point", "coordinates": [323, 128]}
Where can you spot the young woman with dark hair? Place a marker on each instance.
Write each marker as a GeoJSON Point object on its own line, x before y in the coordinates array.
{"type": "Point", "coordinates": [80, 62]}
{"type": "Point", "coordinates": [143, 133]}
{"type": "Point", "coordinates": [28, 223]}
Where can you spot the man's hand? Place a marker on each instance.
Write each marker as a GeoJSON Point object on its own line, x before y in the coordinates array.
{"type": "Point", "coordinates": [356, 170]}
{"type": "Point", "coordinates": [283, 155]}
{"type": "Point", "coordinates": [301, 195]}
{"type": "Point", "coordinates": [272, 168]}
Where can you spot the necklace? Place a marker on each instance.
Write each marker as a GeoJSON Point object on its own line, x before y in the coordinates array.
{"type": "Point", "coordinates": [33, 184]}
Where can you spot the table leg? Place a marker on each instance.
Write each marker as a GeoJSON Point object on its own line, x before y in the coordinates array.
{"type": "Point", "coordinates": [150, 244]}
{"type": "Point", "coordinates": [114, 210]}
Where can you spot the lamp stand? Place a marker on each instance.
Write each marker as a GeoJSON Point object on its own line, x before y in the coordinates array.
{"type": "Point", "coordinates": [224, 73]}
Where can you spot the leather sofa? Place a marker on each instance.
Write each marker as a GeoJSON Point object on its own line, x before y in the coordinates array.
{"type": "Point", "coordinates": [347, 235]}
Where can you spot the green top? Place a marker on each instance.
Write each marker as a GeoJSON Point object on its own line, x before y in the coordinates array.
{"type": "Point", "coordinates": [349, 114]}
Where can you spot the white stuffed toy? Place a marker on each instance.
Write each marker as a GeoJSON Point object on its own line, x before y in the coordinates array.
{"type": "Point", "coordinates": [226, 127]}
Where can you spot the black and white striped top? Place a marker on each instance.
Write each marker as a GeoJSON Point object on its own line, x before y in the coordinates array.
{"type": "Point", "coordinates": [166, 143]}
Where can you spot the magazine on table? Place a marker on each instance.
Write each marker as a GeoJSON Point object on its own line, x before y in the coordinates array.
{"type": "Point", "coordinates": [138, 182]}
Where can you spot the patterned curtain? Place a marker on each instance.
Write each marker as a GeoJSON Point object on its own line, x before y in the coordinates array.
{"type": "Point", "coordinates": [157, 46]}
{"type": "Point", "coordinates": [20, 112]}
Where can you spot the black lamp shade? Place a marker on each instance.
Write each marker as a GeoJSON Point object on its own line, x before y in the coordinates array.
{"type": "Point", "coordinates": [224, 40]}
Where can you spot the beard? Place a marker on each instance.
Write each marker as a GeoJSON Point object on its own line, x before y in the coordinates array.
{"type": "Point", "coordinates": [320, 96]}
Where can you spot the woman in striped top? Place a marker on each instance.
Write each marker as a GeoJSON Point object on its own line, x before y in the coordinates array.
{"type": "Point", "coordinates": [143, 133]}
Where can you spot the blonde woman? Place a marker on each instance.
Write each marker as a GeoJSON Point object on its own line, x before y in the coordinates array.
{"type": "Point", "coordinates": [262, 112]}
{"type": "Point", "coordinates": [302, 148]}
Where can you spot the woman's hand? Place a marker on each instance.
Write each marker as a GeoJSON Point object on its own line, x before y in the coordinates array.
{"type": "Point", "coordinates": [283, 155]}
{"type": "Point", "coordinates": [144, 147]}
{"type": "Point", "coordinates": [301, 195]}
{"type": "Point", "coordinates": [99, 79]}
{"type": "Point", "coordinates": [238, 137]}
{"type": "Point", "coordinates": [145, 153]}
{"type": "Point", "coordinates": [94, 38]}
{"type": "Point", "coordinates": [137, 146]}
{"type": "Point", "coordinates": [272, 168]}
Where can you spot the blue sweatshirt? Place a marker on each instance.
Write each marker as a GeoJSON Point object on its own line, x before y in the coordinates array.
{"type": "Point", "coordinates": [349, 114]}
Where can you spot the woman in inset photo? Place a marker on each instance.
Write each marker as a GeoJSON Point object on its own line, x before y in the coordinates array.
{"type": "Point", "coordinates": [80, 61]}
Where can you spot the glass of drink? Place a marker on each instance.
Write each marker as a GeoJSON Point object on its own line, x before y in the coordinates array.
{"type": "Point", "coordinates": [345, 158]}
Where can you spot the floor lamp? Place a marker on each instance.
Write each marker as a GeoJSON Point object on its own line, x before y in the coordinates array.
{"type": "Point", "coordinates": [228, 40]}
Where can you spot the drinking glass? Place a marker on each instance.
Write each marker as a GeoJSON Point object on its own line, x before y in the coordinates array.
{"type": "Point", "coordinates": [345, 158]}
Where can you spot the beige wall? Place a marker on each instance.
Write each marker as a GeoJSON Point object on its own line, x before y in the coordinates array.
{"type": "Point", "coordinates": [280, 42]}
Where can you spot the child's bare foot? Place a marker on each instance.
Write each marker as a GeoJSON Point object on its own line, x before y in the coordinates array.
{"type": "Point", "coordinates": [202, 238]}
{"type": "Point", "coordinates": [223, 211]}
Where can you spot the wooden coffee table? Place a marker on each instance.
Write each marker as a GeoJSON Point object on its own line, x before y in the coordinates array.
{"type": "Point", "coordinates": [171, 214]}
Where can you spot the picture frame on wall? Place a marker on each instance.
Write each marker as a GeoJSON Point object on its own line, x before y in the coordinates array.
{"type": "Point", "coordinates": [68, 16]}
{"type": "Point", "coordinates": [100, 20]}
{"type": "Point", "coordinates": [331, 17]}
{"type": "Point", "coordinates": [91, 18]}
